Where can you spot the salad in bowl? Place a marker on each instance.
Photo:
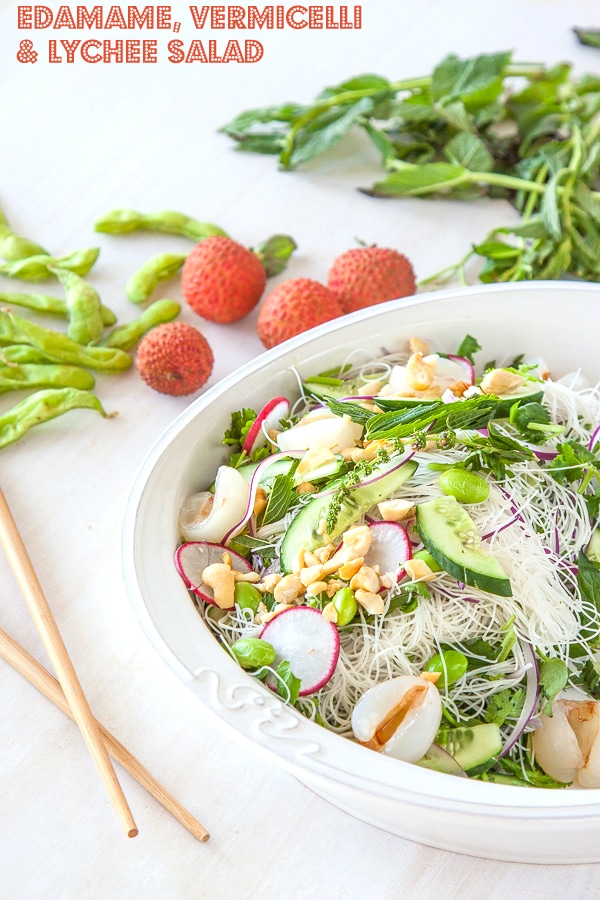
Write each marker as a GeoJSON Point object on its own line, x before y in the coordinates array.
{"type": "Point", "coordinates": [429, 575]}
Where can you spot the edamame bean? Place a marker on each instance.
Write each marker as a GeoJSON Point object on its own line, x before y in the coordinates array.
{"type": "Point", "coordinates": [466, 486]}
{"type": "Point", "coordinates": [252, 653]}
{"type": "Point", "coordinates": [157, 268]}
{"type": "Point", "coordinates": [59, 347]}
{"type": "Point", "coordinates": [28, 375]}
{"type": "Point", "coordinates": [47, 303]}
{"type": "Point", "coordinates": [41, 407]}
{"type": "Point", "coordinates": [124, 221]}
{"type": "Point", "coordinates": [126, 336]}
{"type": "Point", "coordinates": [345, 605]}
{"type": "Point", "coordinates": [83, 306]}
{"type": "Point", "coordinates": [13, 246]}
{"type": "Point", "coordinates": [246, 595]}
{"type": "Point", "coordinates": [451, 665]}
{"type": "Point", "coordinates": [37, 268]}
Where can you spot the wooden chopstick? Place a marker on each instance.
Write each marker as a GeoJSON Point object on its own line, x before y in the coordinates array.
{"type": "Point", "coordinates": [47, 628]}
{"type": "Point", "coordinates": [35, 673]}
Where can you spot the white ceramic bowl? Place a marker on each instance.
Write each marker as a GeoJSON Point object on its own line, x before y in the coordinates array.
{"type": "Point", "coordinates": [554, 320]}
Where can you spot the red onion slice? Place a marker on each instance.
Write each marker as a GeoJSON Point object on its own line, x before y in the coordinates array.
{"type": "Point", "coordinates": [531, 695]}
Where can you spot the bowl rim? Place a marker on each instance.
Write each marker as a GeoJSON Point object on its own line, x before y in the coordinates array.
{"type": "Point", "coordinates": [312, 749]}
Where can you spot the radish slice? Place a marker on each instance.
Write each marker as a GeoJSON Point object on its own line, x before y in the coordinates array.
{"type": "Point", "coordinates": [308, 642]}
{"type": "Point", "coordinates": [464, 364]}
{"type": "Point", "coordinates": [192, 558]}
{"type": "Point", "coordinates": [269, 417]}
{"type": "Point", "coordinates": [390, 548]}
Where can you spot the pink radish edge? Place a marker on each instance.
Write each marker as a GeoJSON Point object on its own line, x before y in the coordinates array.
{"type": "Point", "coordinates": [390, 547]}
{"type": "Point", "coordinates": [465, 364]}
{"type": "Point", "coordinates": [254, 482]}
{"type": "Point", "coordinates": [270, 416]}
{"type": "Point", "coordinates": [312, 660]}
{"type": "Point", "coordinates": [192, 557]}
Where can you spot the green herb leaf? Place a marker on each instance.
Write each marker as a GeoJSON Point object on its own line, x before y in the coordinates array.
{"type": "Point", "coordinates": [279, 500]}
{"type": "Point", "coordinates": [468, 347]}
{"type": "Point", "coordinates": [554, 676]}
{"type": "Point", "coordinates": [290, 688]}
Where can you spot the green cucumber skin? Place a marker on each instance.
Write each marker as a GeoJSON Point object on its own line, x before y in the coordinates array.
{"type": "Point", "coordinates": [471, 566]}
{"type": "Point", "coordinates": [475, 749]}
{"type": "Point", "coordinates": [592, 551]}
{"type": "Point", "coordinates": [503, 408]}
{"type": "Point", "coordinates": [302, 533]}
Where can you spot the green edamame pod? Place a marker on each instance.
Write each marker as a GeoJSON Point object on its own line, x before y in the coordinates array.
{"type": "Point", "coordinates": [124, 221]}
{"type": "Point", "coordinates": [46, 303]}
{"type": "Point", "coordinates": [83, 305]}
{"type": "Point", "coordinates": [13, 246]}
{"type": "Point", "coordinates": [41, 407]}
{"type": "Point", "coordinates": [28, 375]}
{"type": "Point", "coordinates": [126, 336]}
{"type": "Point", "coordinates": [37, 268]}
{"type": "Point", "coordinates": [157, 268]}
{"type": "Point", "coordinates": [18, 354]}
{"type": "Point", "coordinates": [59, 347]}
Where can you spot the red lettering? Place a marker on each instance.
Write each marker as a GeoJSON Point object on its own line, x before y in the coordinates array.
{"type": "Point", "coordinates": [163, 16]}
{"type": "Point", "coordinates": [254, 51]}
{"type": "Point", "coordinates": [115, 18]}
{"type": "Point", "coordinates": [217, 17]}
{"type": "Point", "coordinates": [290, 16]}
{"type": "Point", "coordinates": [212, 52]}
{"type": "Point", "coordinates": [176, 53]}
{"type": "Point", "coordinates": [52, 57]}
{"type": "Point", "coordinates": [344, 22]}
{"type": "Point", "coordinates": [256, 19]}
{"type": "Point", "coordinates": [358, 16]}
{"type": "Point", "coordinates": [199, 17]}
{"type": "Point", "coordinates": [42, 17]}
{"type": "Point", "coordinates": [315, 16]}
{"type": "Point", "coordinates": [329, 20]}
{"type": "Point", "coordinates": [235, 16]}
{"type": "Point", "coordinates": [85, 54]}
{"type": "Point", "coordinates": [87, 19]}
{"type": "Point", "coordinates": [70, 47]}
{"type": "Point", "coordinates": [64, 19]}
{"type": "Point", "coordinates": [137, 19]}
{"type": "Point", "coordinates": [149, 51]}
{"type": "Point", "coordinates": [24, 18]}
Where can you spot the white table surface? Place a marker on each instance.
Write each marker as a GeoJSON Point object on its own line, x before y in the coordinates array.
{"type": "Point", "coordinates": [78, 140]}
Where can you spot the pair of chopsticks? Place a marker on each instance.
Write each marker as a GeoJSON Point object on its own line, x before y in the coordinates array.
{"type": "Point", "coordinates": [67, 693]}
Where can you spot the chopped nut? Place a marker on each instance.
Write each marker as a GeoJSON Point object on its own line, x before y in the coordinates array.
{"type": "Point", "coordinates": [298, 563]}
{"type": "Point", "coordinates": [350, 568]}
{"type": "Point", "coordinates": [288, 589]}
{"type": "Point", "coordinates": [310, 559]}
{"type": "Point", "coordinates": [333, 586]}
{"type": "Point", "coordinates": [419, 373]}
{"type": "Point", "coordinates": [219, 577]}
{"type": "Point", "coordinates": [260, 500]}
{"type": "Point", "coordinates": [418, 570]}
{"type": "Point", "coordinates": [371, 603]}
{"type": "Point", "coordinates": [267, 616]}
{"type": "Point", "coordinates": [317, 587]}
{"type": "Point", "coordinates": [499, 382]}
{"type": "Point", "coordinates": [396, 510]}
{"type": "Point", "coordinates": [433, 677]}
{"type": "Point", "coordinates": [458, 388]}
{"type": "Point", "coordinates": [418, 346]}
{"type": "Point", "coordinates": [251, 577]}
{"type": "Point", "coordinates": [386, 580]}
{"type": "Point", "coordinates": [268, 583]}
{"type": "Point", "coordinates": [330, 613]}
{"type": "Point", "coordinates": [310, 574]}
{"type": "Point", "coordinates": [322, 554]}
{"type": "Point", "coordinates": [306, 487]}
{"type": "Point", "coordinates": [355, 542]}
{"type": "Point", "coordinates": [370, 388]}
{"type": "Point", "coordinates": [226, 557]}
{"type": "Point", "coordinates": [366, 579]}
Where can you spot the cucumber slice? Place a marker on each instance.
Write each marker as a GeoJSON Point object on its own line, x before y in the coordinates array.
{"type": "Point", "coordinates": [450, 535]}
{"type": "Point", "coordinates": [392, 403]}
{"type": "Point", "coordinates": [325, 470]}
{"type": "Point", "coordinates": [321, 388]}
{"type": "Point", "coordinates": [303, 533]}
{"type": "Point", "coordinates": [474, 749]}
{"type": "Point", "coordinates": [279, 467]}
{"type": "Point", "coordinates": [592, 551]}
{"type": "Point", "coordinates": [527, 393]}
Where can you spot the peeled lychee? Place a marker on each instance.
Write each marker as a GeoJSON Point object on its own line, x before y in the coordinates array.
{"type": "Point", "coordinates": [295, 306]}
{"type": "Point", "coordinates": [175, 359]}
{"type": "Point", "coordinates": [221, 280]}
{"type": "Point", "coordinates": [366, 276]}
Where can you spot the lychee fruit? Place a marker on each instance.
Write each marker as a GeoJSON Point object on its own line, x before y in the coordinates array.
{"type": "Point", "coordinates": [366, 276]}
{"type": "Point", "coordinates": [175, 358]}
{"type": "Point", "coordinates": [222, 280]}
{"type": "Point", "coordinates": [295, 306]}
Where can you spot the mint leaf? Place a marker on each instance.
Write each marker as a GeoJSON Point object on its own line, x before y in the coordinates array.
{"type": "Point", "coordinates": [554, 676]}
{"type": "Point", "coordinates": [288, 686]}
{"type": "Point", "coordinates": [468, 347]}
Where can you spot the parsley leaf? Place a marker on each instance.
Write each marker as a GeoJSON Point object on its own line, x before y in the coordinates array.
{"type": "Point", "coordinates": [468, 346]}
{"type": "Point", "coordinates": [553, 679]}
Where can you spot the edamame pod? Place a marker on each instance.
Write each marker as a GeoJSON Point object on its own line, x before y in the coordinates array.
{"type": "Point", "coordinates": [126, 336]}
{"type": "Point", "coordinates": [157, 268]}
{"type": "Point", "coordinates": [13, 246]}
{"type": "Point", "coordinates": [41, 407]}
{"type": "Point", "coordinates": [47, 303]}
{"type": "Point", "coordinates": [124, 221]}
{"type": "Point", "coordinates": [28, 375]}
{"type": "Point", "coordinates": [18, 354]}
{"type": "Point", "coordinates": [37, 268]}
{"type": "Point", "coordinates": [59, 347]}
{"type": "Point", "coordinates": [83, 305]}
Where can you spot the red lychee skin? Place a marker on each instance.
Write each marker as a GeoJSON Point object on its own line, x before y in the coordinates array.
{"type": "Point", "coordinates": [175, 359]}
{"type": "Point", "coordinates": [366, 276]}
{"type": "Point", "coordinates": [221, 280]}
{"type": "Point", "coordinates": [295, 306]}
